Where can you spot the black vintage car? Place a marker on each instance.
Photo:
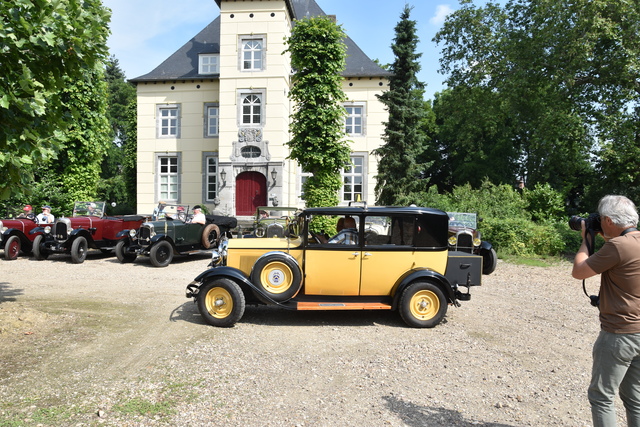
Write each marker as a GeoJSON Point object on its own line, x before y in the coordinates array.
{"type": "Point", "coordinates": [343, 258]}
{"type": "Point", "coordinates": [174, 233]}
{"type": "Point", "coordinates": [464, 236]}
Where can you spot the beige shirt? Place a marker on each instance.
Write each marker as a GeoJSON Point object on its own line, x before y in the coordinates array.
{"type": "Point", "coordinates": [618, 262]}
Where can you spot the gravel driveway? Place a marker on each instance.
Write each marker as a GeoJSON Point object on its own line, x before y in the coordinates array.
{"type": "Point", "coordinates": [104, 343]}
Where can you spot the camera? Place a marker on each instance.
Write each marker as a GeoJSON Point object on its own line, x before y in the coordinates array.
{"type": "Point", "coordinates": [591, 223]}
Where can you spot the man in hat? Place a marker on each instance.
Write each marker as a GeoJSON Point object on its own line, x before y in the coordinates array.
{"type": "Point", "coordinates": [198, 216]}
{"type": "Point", "coordinates": [45, 217]}
{"type": "Point", "coordinates": [158, 212]}
{"type": "Point", "coordinates": [27, 212]}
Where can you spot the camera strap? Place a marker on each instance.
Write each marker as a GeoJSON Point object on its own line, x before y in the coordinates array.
{"type": "Point", "coordinates": [628, 230]}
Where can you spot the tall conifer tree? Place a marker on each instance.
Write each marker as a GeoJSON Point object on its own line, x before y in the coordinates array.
{"type": "Point", "coordinates": [399, 167]}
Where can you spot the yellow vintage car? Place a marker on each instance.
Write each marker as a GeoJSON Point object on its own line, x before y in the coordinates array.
{"type": "Point", "coordinates": [342, 258]}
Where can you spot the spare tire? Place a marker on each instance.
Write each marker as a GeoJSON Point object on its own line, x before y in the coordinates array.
{"type": "Point", "coordinates": [278, 276]}
{"type": "Point", "coordinates": [210, 236]}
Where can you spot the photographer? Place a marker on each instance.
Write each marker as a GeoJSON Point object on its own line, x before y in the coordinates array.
{"type": "Point", "coordinates": [616, 352]}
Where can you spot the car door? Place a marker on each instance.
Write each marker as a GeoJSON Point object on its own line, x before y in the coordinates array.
{"type": "Point", "coordinates": [388, 253]}
{"type": "Point", "coordinates": [332, 268]}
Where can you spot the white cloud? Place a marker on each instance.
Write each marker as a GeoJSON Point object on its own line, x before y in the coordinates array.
{"type": "Point", "coordinates": [442, 10]}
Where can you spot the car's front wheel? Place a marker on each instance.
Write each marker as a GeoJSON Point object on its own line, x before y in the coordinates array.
{"type": "Point", "coordinates": [221, 302]}
{"type": "Point", "coordinates": [161, 254]}
{"type": "Point", "coordinates": [278, 276]}
{"type": "Point", "coordinates": [422, 305]}
{"type": "Point", "coordinates": [122, 254]}
{"type": "Point", "coordinates": [38, 250]}
{"type": "Point", "coordinates": [79, 249]}
{"type": "Point", "coordinates": [12, 248]}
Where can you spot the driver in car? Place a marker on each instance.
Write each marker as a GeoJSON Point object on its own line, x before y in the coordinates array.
{"type": "Point", "coordinates": [198, 216]}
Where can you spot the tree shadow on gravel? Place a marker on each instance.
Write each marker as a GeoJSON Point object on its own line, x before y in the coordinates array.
{"type": "Point", "coordinates": [8, 293]}
{"type": "Point", "coordinates": [423, 416]}
{"type": "Point", "coordinates": [275, 316]}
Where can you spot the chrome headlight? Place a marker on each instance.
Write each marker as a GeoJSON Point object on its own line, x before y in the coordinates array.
{"type": "Point", "coordinates": [453, 240]}
{"type": "Point", "coordinates": [47, 229]}
{"type": "Point", "coordinates": [132, 233]}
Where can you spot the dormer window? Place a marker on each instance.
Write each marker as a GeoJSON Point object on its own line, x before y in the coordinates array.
{"type": "Point", "coordinates": [208, 63]}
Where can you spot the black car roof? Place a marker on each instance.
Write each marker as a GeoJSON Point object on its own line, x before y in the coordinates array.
{"type": "Point", "coordinates": [374, 210]}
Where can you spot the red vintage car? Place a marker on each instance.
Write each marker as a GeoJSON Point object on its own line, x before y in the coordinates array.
{"type": "Point", "coordinates": [88, 228]}
{"type": "Point", "coordinates": [17, 235]}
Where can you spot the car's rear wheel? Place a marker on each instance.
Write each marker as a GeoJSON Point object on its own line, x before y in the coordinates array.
{"type": "Point", "coordinates": [210, 236]}
{"type": "Point", "coordinates": [489, 260]}
{"type": "Point", "coordinates": [122, 254]}
{"type": "Point", "coordinates": [38, 250]}
{"type": "Point", "coordinates": [278, 276]}
{"type": "Point", "coordinates": [161, 254]}
{"type": "Point", "coordinates": [221, 302]}
{"type": "Point", "coordinates": [12, 248]}
{"type": "Point", "coordinates": [79, 249]}
{"type": "Point", "coordinates": [422, 305]}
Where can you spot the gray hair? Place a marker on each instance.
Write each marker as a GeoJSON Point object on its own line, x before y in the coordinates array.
{"type": "Point", "coordinates": [621, 210]}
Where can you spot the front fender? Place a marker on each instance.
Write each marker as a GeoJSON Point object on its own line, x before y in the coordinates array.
{"type": "Point", "coordinates": [84, 233]}
{"type": "Point", "coordinates": [228, 273]}
{"type": "Point", "coordinates": [485, 245]}
{"type": "Point", "coordinates": [422, 273]}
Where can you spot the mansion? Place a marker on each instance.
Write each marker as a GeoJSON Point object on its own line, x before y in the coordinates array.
{"type": "Point", "coordinates": [213, 118]}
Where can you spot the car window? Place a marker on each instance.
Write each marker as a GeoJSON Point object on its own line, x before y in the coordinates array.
{"type": "Point", "coordinates": [334, 230]}
{"type": "Point", "coordinates": [389, 230]}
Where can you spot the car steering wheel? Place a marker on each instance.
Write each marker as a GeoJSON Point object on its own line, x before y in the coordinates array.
{"type": "Point", "coordinates": [316, 236]}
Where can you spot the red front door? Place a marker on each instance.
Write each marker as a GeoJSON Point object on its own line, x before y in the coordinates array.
{"type": "Point", "coordinates": [251, 192]}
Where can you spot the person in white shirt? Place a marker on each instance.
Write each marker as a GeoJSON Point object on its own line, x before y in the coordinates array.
{"type": "Point", "coordinates": [198, 216]}
{"type": "Point", "coordinates": [45, 217]}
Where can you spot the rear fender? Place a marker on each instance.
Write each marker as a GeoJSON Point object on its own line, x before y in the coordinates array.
{"type": "Point", "coordinates": [14, 232]}
{"type": "Point", "coordinates": [423, 274]}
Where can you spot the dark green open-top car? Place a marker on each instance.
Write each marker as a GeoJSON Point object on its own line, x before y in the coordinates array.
{"type": "Point", "coordinates": [174, 233]}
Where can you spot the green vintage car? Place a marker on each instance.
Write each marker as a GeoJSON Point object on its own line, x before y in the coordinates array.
{"type": "Point", "coordinates": [173, 233]}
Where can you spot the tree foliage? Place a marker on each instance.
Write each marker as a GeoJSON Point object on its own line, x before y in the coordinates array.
{"type": "Point", "coordinates": [44, 46]}
{"type": "Point", "coordinates": [401, 157]}
{"type": "Point", "coordinates": [560, 80]}
{"type": "Point", "coordinates": [318, 144]}
{"type": "Point", "coordinates": [86, 141]}
{"type": "Point", "coordinates": [118, 176]}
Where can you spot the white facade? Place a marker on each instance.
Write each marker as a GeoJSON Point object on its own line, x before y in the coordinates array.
{"type": "Point", "coordinates": [219, 139]}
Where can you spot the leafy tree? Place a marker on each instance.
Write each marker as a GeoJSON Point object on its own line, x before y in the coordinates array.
{"type": "Point", "coordinates": [45, 45]}
{"type": "Point", "coordinates": [86, 141]}
{"type": "Point", "coordinates": [565, 72]}
{"type": "Point", "coordinates": [318, 55]}
{"type": "Point", "coordinates": [401, 156]}
{"type": "Point", "coordinates": [118, 177]}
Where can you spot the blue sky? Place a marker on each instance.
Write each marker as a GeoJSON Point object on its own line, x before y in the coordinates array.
{"type": "Point", "coordinates": [145, 32]}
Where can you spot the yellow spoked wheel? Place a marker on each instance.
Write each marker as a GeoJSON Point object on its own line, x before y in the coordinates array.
{"type": "Point", "coordinates": [221, 302]}
{"type": "Point", "coordinates": [278, 276]}
{"type": "Point", "coordinates": [422, 305]}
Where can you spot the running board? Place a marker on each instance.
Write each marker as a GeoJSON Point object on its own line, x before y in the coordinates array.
{"type": "Point", "coordinates": [342, 306]}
